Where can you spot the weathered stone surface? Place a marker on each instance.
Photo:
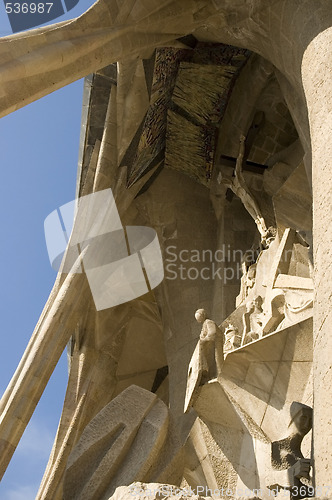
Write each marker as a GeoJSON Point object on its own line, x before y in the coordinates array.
{"type": "Point", "coordinates": [119, 445]}
{"type": "Point", "coordinates": [155, 491]}
{"type": "Point", "coordinates": [193, 81]}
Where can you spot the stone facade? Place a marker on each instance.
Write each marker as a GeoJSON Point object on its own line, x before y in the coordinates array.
{"type": "Point", "coordinates": [210, 122]}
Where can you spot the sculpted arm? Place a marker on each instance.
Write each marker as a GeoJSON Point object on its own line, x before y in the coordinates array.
{"type": "Point", "coordinates": [209, 331]}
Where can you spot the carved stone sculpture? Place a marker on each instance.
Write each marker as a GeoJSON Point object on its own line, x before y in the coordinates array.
{"type": "Point", "coordinates": [250, 278]}
{"type": "Point", "coordinates": [239, 187]}
{"type": "Point", "coordinates": [124, 442]}
{"type": "Point", "coordinates": [207, 358]}
{"type": "Point", "coordinates": [155, 491]}
{"type": "Point", "coordinates": [211, 347]}
{"type": "Point", "coordinates": [286, 454]}
{"type": "Point", "coordinates": [253, 320]}
{"type": "Point", "coordinates": [174, 87]}
{"type": "Point", "coordinates": [232, 338]}
{"type": "Point", "coordinates": [275, 311]}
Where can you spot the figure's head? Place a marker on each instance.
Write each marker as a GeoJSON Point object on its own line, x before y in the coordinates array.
{"type": "Point", "coordinates": [200, 315]}
{"type": "Point", "coordinates": [258, 301]}
{"type": "Point", "coordinates": [250, 306]}
{"type": "Point", "coordinates": [270, 236]}
{"type": "Point", "coordinates": [301, 417]}
{"type": "Point", "coordinates": [230, 331]}
{"type": "Point", "coordinates": [252, 272]}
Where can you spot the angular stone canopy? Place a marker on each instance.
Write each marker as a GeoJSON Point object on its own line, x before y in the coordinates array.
{"type": "Point", "coordinates": [210, 123]}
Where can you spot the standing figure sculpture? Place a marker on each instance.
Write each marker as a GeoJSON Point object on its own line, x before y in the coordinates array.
{"type": "Point", "coordinates": [232, 338]}
{"type": "Point", "coordinates": [253, 319]}
{"type": "Point", "coordinates": [211, 347]}
{"type": "Point", "coordinates": [207, 359]}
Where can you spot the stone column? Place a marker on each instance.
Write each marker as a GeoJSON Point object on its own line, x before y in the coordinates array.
{"type": "Point", "coordinates": [317, 83]}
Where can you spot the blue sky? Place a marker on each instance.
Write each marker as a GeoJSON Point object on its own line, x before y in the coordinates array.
{"type": "Point", "coordinates": [39, 153]}
{"type": "Point", "coordinates": [5, 28]}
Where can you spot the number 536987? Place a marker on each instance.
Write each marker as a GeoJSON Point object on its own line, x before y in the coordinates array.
{"type": "Point", "coordinates": [28, 8]}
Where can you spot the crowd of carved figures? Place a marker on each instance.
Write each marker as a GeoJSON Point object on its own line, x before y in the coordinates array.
{"type": "Point", "coordinates": [202, 117]}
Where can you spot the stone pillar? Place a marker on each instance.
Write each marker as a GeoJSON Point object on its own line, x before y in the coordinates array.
{"type": "Point", "coordinates": [317, 83]}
